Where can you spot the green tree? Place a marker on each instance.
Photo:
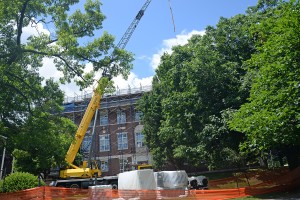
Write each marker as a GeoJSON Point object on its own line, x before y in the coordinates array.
{"type": "Point", "coordinates": [62, 44]}
{"type": "Point", "coordinates": [42, 143]}
{"type": "Point", "coordinates": [271, 117]}
{"type": "Point", "coordinates": [150, 105]}
{"type": "Point", "coordinates": [29, 105]}
{"type": "Point", "coordinates": [192, 87]}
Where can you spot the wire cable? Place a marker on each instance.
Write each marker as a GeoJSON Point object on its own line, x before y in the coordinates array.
{"type": "Point", "coordinates": [172, 15]}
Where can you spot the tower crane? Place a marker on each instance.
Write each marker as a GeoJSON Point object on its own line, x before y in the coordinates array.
{"type": "Point", "coordinates": [85, 171]}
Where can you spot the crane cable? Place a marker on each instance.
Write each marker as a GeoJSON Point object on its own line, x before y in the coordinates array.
{"type": "Point", "coordinates": [172, 15]}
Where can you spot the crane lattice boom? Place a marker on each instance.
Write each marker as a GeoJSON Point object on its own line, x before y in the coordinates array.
{"type": "Point", "coordinates": [124, 40]}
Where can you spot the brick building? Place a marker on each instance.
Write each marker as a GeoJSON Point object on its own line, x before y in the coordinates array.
{"type": "Point", "coordinates": [118, 140]}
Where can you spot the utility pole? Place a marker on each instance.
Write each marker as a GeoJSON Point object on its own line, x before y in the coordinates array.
{"type": "Point", "coordinates": [3, 156]}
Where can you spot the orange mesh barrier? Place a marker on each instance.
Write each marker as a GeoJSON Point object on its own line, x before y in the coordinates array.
{"type": "Point", "coordinates": [265, 182]}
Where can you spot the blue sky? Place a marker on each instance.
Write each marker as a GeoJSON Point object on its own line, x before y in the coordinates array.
{"type": "Point", "coordinates": [157, 26]}
{"type": "Point", "coordinates": [155, 31]}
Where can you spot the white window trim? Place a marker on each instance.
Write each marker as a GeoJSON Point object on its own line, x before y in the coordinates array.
{"type": "Point", "coordinates": [123, 142]}
{"type": "Point", "coordinates": [121, 117]}
{"type": "Point", "coordinates": [105, 150]}
{"type": "Point", "coordinates": [138, 140]}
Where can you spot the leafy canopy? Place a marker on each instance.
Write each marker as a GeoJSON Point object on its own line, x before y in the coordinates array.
{"type": "Point", "coordinates": [30, 105]}
{"type": "Point", "coordinates": [271, 117]}
{"type": "Point", "coordinates": [185, 114]}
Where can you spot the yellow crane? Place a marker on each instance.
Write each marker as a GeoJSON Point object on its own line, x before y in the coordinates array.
{"type": "Point", "coordinates": [85, 171]}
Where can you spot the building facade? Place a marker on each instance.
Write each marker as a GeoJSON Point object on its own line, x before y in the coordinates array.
{"type": "Point", "coordinates": [117, 143]}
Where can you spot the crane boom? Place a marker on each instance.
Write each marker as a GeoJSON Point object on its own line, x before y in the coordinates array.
{"type": "Point", "coordinates": [85, 122]}
{"type": "Point", "coordinates": [84, 170]}
{"type": "Point", "coordinates": [124, 40]}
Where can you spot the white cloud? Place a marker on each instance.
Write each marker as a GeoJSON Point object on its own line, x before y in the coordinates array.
{"type": "Point", "coordinates": [49, 70]}
{"type": "Point", "coordinates": [33, 30]}
{"type": "Point", "coordinates": [133, 81]}
{"type": "Point", "coordinates": [71, 89]}
{"type": "Point", "coordinates": [144, 57]}
{"type": "Point", "coordinates": [167, 45]}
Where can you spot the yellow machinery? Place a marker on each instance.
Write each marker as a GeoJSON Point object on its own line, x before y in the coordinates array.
{"type": "Point", "coordinates": [140, 167]}
{"type": "Point", "coordinates": [84, 171]}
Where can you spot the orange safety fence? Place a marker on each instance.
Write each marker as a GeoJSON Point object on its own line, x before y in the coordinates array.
{"type": "Point", "coordinates": [247, 184]}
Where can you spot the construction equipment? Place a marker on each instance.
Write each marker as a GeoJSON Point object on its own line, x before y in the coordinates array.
{"type": "Point", "coordinates": [141, 166]}
{"type": "Point", "coordinates": [85, 171]}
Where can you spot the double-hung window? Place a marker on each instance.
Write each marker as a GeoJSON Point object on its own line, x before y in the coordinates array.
{"type": "Point", "coordinates": [122, 141]}
{"type": "Point", "coordinates": [121, 117]}
{"type": "Point", "coordinates": [103, 118]}
{"type": "Point", "coordinates": [139, 140]}
{"type": "Point", "coordinates": [104, 142]}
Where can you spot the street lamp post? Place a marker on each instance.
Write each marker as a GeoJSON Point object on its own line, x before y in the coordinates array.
{"type": "Point", "coordinates": [3, 156]}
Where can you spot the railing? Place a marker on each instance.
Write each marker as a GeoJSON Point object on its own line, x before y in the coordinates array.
{"type": "Point", "coordinates": [110, 104]}
{"type": "Point", "coordinates": [88, 94]}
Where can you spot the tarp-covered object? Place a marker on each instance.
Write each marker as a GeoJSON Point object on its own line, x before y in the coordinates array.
{"type": "Point", "coordinates": [171, 179]}
{"type": "Point", "coordinates": [175, 181]}
{"type": "Point", "coordinates": [137, 180]}
{"type": "Point", "coordinates": [198, 182]}
{"type": "Point", "coordinates": [271, 181]}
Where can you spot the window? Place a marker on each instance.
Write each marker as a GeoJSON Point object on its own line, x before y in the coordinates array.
{"type": "Point", "coordinates": [104, 142]}
{"type": "Point", "coordinates": [104, 166]}
{"type": "Point", "coordinates": [137, 116]}
{"type": "Point", "coordinates": [139, 140]}
{"type": "Point", "coordinates": [121, 117]}
{"type": "Point", "coordinates": [86, 144]}
{"type": "Point", "coordinates": [122, 141]}
{"type": "Point", "coordinates": [123, 164]}
{"type": "Point", "coordinates": [103, 118]}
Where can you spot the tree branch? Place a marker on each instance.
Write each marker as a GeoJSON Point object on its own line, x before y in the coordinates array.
{"type": "Point", "coordinates": [20, 22]}
{"type": "Point", "coordinates": [19, 92]}
{"type": "Point", "coordinates": [58, 56]}
{"type": "Point", "coordinates": [20, 79]}
{"type": "Point", "coordinates": [88, 59]}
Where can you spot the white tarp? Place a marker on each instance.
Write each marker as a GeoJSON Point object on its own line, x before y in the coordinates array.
{"type": "Point", "coordinates": [137, 180]}
{"type": "Point", "coordinates": [171, 179]}
{"type": "Point", "coordinates": [198, 182]}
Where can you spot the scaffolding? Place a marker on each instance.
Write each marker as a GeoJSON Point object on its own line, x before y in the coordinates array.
{"type": "Point", "coordinates": [119, 122]}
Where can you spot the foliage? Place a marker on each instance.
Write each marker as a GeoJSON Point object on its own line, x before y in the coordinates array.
{"type": "Point", "coordinates": [184, 115]}
{"type": "Point", "coordinates": [198, 87]}
{"type": "Point", "coordinates": [42, 143]}
{"type": "Point", "coordinates": [271, 117]}
{"type": "Point", "coordinates": [36, 34]}
{"type": "Point", "coordinates": [20, 181]}
{"type": "Point", "coordinates": [61, 44]}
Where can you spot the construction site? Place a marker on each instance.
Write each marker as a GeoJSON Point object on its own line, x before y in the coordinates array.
{"type": "Point", "coordinates": [108, 157]}
{"type": "Point", "coordinates": [118, 143]}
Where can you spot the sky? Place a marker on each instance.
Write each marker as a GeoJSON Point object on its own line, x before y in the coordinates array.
{"type": "Point", "coordinates": [156, 32]}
